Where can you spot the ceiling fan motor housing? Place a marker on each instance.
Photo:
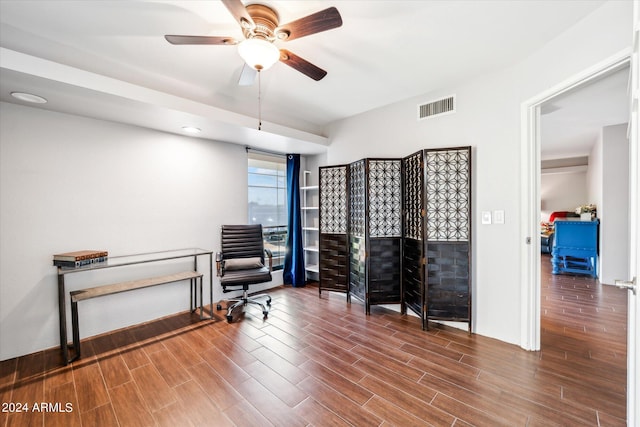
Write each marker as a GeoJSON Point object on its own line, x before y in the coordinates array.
{"type": "Point", "coordinates": [266, 20]}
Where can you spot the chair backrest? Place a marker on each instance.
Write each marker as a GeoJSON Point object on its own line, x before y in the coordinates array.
{"type": "Point", "coordinates": [242, 241]}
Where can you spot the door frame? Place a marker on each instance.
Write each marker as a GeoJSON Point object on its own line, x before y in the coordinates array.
{"type": "Point", "coordinates": [530, 193]}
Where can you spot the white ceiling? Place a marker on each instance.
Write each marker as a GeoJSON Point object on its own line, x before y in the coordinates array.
{"type": "Point", "coordinates": [571, 123]}
{"type": "Point", "coordinates": [109, 60]}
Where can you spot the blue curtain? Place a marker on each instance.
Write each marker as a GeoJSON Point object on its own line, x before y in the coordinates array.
{"type": "Point", "coordinates": [294, 273]}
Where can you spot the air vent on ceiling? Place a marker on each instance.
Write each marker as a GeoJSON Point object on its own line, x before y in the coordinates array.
{"type": "Point", "coordinates": [435, 108]}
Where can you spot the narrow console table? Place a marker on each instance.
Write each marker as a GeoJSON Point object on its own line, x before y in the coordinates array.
{"type": "Point", "coordinates": [127, 260]}
{"type": "Point", "coordinates": [575, 247]}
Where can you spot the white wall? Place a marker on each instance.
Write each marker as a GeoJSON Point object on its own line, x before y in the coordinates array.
{"type": "Point", "coordinates": [562, 192]}
{"type": "Point", "coordinates": [614, 212]}
{"type": "Point", "coordinates": [488, 119]}
{"type": "Point", "coordinates": [69, 183]}
{"type": "Point", "coordinates": [594, 174]}
{"type": "Point", "coordinates": [594, 186]}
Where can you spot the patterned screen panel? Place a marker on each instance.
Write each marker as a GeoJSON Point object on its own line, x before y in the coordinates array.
{"type": "Point", "coordinates": [413, 196]}
{"type": "Point", "coordinates": [448, 195]}
{"type": "Point", "coordinates": [357, 200]}
{"type": "Point", "coordinates": [385, 198]}
{"type": "Point", "coordinates": [333, 200]}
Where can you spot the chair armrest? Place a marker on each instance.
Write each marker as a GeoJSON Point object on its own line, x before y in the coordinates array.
{"type": "Point", "coordinates": [270, 256]}
{"type": "Point", "coordinates": [219, 264]}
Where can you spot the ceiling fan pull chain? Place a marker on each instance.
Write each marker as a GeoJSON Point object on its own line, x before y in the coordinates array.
{"type": "Point", "coordinates": [259, 101]}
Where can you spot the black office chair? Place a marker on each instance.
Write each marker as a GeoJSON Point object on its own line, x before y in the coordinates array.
{"type": "Point", "coordinates": [241, 263]}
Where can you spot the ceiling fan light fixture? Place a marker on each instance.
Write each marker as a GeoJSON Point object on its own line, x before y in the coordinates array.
{"type": "Point", "coordinates": [29, 97]}
{"type": "Point", "coordinates": [259, 54]}
{"type": "Point", "coordinates": [191, 130]}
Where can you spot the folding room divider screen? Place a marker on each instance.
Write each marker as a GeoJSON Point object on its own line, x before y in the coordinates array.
{"type": "Point", "coordinates": [333, 241]}
{"type": "Point", "coordinates": [375, 231]}
{"type": "Point", "coordinates": [436, 256]}
{"type": "Point", "coordinates": [399, 231]}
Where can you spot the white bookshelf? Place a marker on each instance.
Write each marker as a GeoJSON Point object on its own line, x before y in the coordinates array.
{"type": "Point", "coordinates": [310, 225]}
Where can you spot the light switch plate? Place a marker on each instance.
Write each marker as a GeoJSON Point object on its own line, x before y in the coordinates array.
{"type": "Point", "coordinates": [486, 217]}
{"type": "Point", "coordinates": [498, 217]}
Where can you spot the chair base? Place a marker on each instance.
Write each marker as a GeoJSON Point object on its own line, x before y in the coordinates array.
{"type": "Point", "coordinates": [244, 301]}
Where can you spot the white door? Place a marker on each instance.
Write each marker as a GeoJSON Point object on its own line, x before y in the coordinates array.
{"type": "Point", "coordinates": [633, 339]}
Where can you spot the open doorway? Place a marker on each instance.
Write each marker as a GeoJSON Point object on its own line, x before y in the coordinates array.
{"type": "Point", "coordinates": [531, 198]}
{"type": "Point", "coordinates": [584, 152]}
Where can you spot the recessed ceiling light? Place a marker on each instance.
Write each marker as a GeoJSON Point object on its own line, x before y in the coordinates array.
{"type": "Point", "coordinates": [29, 97]}
{"type": "Point", "coordinates": [190, 129]}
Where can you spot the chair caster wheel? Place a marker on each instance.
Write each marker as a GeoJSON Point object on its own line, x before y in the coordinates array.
{"type": "Point", "coordinates": [229, 318]}
{"type": "Point", "coordinates": [219, 307]}
{"type": "Point", "coordinates": [269, 302]}
{"type": "Point", "coordinates": [266, 313]}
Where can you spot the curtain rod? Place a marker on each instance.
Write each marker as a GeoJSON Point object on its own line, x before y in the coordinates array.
{"type": "Point", "coordinates": [261, 151]}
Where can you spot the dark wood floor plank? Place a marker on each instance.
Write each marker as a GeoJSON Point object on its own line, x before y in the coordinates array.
{"type": "Point", "coordinates": [279, 364]}
{"type": "Point", "coordinates": [152, 387]}
{"type": "Point", "coordinates": [101, 416]}
{"type": "Point", "coordinates": [468, 413]}
{"type": "Point", "coordinates": [338, 403]}
{"type": "Point", "coordinates": [173, 415]}
{"type": "Point", "coordinates": [336, 335]}
{"type": "Point", "coordinates": [129, 406]}
{"type": "Point", "coordinates": [225, 367]}
{"type": "Point", "coordinates": [26, 393]}
{"type": "Point", "coordinates": [393, 415]}
{"type": "Point", "coordinates": [215, 386]}
{"type": "Point", "coordinates": [276, 384]}
{"type": "Point", "coordinates": [268, 404]}
{"type": "Point", "coordinates": [56, 372]}
{"type": "Point", "coordinates": [320, 343]}
{"type": "Point", "coordinates": [244, 414]}
{"type": "Point", "coordinates": [5, 397]}
{"type": "Point", "coordinates": [131, 351]}
{"type": "Point", "coordinates": [8, 370]}
{"type": "Point", "coordinates": [169, 368]}
{"type": "Point", "coordinates": [201, 409]}
{"type": "Point", "coordinates": [292, 356]}
{"type": "Point", "coordinates": [350, 389]}
{"type": "Point", "coordinates": [114, 370]}
{"type": "Point", "coordinates": [335, 362]}
{"type": "Point", "coordinates": [403, 369]}
{"type": "Point", "coordinates": [290, 338]}
{"type": "Point", "coordinates": [247, 343]}
{"type": "Point", "coordinates": [419, 390]}
{"type": "Point", "coordinates": [316, 414]}
{"type": "Point", "coordinates": [90, 386]}
{"type": "Point", "coordinates": [396, 353]}
{"type": "Point", "coordinates": [63, 405]}
{"type": "Point", "coordinates": [240, 356]}
{"type": "Point", "coordinates": [182, 352]}
{"type": "Point", "coordinates": [407, 401]}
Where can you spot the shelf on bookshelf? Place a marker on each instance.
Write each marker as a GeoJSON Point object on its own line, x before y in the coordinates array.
{"type": "Point", "coordinates": [313, 268]}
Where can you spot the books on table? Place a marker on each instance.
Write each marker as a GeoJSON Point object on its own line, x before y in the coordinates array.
{"type": "Point", "coordinates": [79, 258]}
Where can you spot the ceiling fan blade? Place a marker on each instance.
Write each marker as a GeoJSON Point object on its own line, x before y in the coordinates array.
{"type": "Point", "coordinates": [240, 13]}
{"type": "Point", "coordinates": [247, 76]}
{"type": "Point", "coordinates": [302, 65]}
{"type": "Point", "coordinates": [200, 40]}
{"type": "Point", "coordinates": [314, 23]}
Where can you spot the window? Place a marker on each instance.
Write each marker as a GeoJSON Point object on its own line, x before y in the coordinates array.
{"type": "Point", "coordinates": [267, 178]}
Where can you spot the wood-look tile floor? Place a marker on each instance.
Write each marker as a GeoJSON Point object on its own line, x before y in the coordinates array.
{"type": "Point", "coordinates": [321, 362]}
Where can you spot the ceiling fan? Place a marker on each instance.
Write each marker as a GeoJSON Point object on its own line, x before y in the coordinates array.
{"type": "Point", "coordinates": [261, 28]}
